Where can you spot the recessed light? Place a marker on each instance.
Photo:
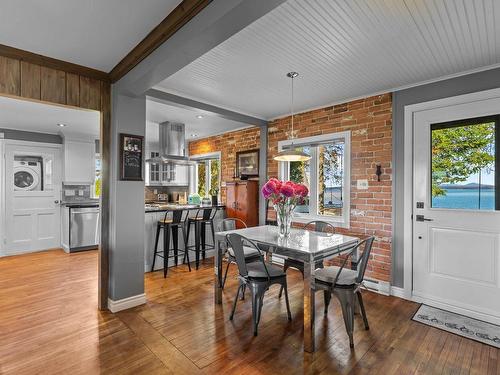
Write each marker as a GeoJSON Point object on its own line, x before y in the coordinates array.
{"type": "Point", "coordinates": [199, 116]}
{"type": "Point", "coordinates": [61, 125]}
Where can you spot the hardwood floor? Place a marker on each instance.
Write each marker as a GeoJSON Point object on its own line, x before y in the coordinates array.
{"type": "Point", "coordinates": [49, 324]}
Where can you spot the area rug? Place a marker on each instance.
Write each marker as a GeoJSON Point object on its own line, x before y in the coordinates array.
{"type": "Point", "coordinates": [474, 329]}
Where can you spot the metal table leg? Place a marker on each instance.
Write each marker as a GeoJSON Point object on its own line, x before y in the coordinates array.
{"type": "Point", "coordinates": [309, 307]}
{"type": "Point", "coordinates": [218, 272]}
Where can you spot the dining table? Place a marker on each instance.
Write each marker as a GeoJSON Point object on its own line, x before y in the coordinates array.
{"type": "Point", "coordinates": [303, 245]}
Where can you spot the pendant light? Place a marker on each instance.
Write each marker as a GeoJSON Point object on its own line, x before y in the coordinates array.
{"type": "Point", "coordinates": [291, 154]}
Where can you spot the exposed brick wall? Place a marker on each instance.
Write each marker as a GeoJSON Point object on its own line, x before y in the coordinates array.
{"type": "Point", "coordinates": [370, 123]}
{"type": "Point", "coordinates": [228, 144]}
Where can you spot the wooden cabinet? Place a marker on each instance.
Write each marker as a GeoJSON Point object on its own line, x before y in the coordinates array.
{"type": "Point", "coordinates": [243, 201]}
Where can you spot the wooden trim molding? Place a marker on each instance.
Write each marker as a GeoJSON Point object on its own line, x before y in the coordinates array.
{"type": "Point", "coordinates": [49, 62]}
{"type": "Point", "coordinates": [181, 15]}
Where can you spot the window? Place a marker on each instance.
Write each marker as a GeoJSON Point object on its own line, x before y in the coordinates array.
{"type": "Point", "coordinates": [464, 164]}
{"type": "Point", "coordinates": [207, 174]}
{"type": "Point", "coordinates": [326, 175]}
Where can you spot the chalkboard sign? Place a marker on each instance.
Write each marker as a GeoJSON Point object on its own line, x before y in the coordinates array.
{"type": "Point", "coordinates": [131, 157]}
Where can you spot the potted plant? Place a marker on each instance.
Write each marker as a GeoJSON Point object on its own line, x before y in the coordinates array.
{"type": "Point", "coordinates": [284, 196]}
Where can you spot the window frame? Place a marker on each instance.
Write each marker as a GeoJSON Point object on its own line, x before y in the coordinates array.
{"type": "Point", "coordinates": [207, 159]}
{"type": "Point", "coordinates": [313, 142]}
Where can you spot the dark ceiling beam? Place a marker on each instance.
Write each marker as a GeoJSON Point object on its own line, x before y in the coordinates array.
{"type": "Point", "coordinates": [181, 102]}
{"type": "Point", "coordinates": [182, 14]}
{"type": "Point", "coordinates": [34, 58]}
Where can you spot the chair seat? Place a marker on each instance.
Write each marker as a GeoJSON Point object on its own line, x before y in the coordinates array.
{"type": "Point", "coordinates": [249, 252]}
{"type": "Point", "coordinates": [257, 271]}
{"type": "Point", "coordinates": [165, 221]}
{"type": "Point", "coordinates": [328, 275]}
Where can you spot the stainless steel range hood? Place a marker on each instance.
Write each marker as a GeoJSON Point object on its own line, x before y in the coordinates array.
{"type": "Point", "coordinates": [172, 142]}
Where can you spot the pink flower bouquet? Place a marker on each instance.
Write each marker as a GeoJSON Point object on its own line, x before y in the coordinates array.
{"type": "Point", "coordinates": [284, 196]}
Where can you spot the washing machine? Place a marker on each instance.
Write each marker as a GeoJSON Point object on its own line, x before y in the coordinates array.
{"type": "Point", "coordinates": [28, 175]}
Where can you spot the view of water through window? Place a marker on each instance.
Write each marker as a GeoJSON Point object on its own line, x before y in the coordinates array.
{"type": "Point", "coordinates": [463, 165]}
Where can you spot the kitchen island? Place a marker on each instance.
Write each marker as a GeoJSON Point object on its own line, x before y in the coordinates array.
{"type": "Point", "coordinates": [156, 212]}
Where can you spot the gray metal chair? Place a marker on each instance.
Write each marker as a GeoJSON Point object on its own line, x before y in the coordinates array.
{"type": "Point", "coordinates": [319, 226]}
{"type": "Point", "coordinates": [258, 276]}
{"type": "Point", "coordinates": [345, 284]}
{"type": "Point", "coordinates": [251, 254]}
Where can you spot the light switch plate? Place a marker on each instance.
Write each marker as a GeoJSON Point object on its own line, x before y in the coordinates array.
{"type": "Point", "coordinates": [362, 184]}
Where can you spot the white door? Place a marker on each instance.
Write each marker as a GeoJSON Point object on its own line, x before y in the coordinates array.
{"type": "Point", "coordinates": [456, 228]}
{"type": "Point", "coordinates": [32, 195]}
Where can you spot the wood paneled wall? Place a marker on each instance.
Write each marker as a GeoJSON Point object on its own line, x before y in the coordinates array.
{"type": "Point", "coordinates": [33, 81]}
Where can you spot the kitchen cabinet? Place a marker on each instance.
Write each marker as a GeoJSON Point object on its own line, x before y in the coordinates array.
{"type": "Point", "coordinates": [243, 201]}
{"type": "Point", "coordinates": [79, 162]}
{"type": "Point", "coordinates": [165, 175]}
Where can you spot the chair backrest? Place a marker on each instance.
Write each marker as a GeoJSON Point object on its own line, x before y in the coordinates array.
{"type": "Point", "coordinates": [237, 241]}
{"type": "Point", "coordinates": [178, 216]}
{"type": "Point", "coordinates": [363, 262]}
{"type": "Point", "coordinates": [320, 226]}
{"type": "Point", "coordinates": [230, 224]}
{"type": "Point", "coordinates": [366, 244]}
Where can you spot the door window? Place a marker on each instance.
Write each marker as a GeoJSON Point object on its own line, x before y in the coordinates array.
{"type": "Point", "coordinates": [464, 164]}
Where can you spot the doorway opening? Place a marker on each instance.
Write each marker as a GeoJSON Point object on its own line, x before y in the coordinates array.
{"type": "Point", "coordinates": [50, 179]}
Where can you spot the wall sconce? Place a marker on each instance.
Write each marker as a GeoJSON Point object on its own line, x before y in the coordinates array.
{"type": "Point", "coordinates": [378, 172]}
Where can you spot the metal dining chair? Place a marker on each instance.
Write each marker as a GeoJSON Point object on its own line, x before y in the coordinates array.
{"type": "Point", "coordinates": [251, 254]}
{"type": "Point", "coordinates": [319, 226]}
{"type": "Point", "coordinates": [345, 284]}
{"type": "Point", "coordinates": [257, 276]}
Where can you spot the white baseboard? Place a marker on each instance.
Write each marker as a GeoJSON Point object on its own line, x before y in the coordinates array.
{"type": "Point", "coordinates": [381, 287]}
{"type": "Point", "coordinates": [126, 303]}
{"type": "Point", "coordinates": [398, 292]}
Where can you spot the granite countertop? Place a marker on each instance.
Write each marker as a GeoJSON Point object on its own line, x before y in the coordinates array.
{"type": "Point", "coordinates": [162, 207]}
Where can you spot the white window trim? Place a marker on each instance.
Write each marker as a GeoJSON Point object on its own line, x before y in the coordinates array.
{"type": "Point", "coordinates": [344, 221]}
{"type": "Point", "coordinates": [209, 155]}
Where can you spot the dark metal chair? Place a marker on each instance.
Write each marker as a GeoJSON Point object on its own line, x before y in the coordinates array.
{"type": "Point", "coordinates": [202, 218]}
{"type": "Point", "coordinates": [258, 276]}
{"type": "Point", "coordinates": [171, 225]}
{"type": "Point", "coordinates": [319, 226]}
{"type": "Point", "coordinates": [251, 254]}
{"type": "Point", "coordinates": [346, 285]}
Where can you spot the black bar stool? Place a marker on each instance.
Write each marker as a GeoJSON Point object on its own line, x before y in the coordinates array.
{"type": "Point", "coordinates": [203, 217]}
{"type": "Point", "coordinates": [173, 224]}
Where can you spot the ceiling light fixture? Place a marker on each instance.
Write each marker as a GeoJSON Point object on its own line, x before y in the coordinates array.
{"type": "Point", "coordinates": [199, 116]}
{"type": "Point", "coordinates": [291, 154]}
{"type": "Point", "coordinates": [61, 125]}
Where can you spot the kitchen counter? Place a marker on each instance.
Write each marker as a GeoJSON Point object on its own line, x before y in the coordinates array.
{"type": "Point", "coordinates": [82, 203]}
{"type": "Point", "coordinates": [174, 207]}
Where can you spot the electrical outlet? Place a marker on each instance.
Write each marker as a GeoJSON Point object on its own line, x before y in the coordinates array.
{"type": "Point", "coordinates": [362, 184]}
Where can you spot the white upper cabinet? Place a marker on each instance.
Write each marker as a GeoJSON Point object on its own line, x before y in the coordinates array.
{"type": "Point", "coordinates": [79, 162]}
{"type": "Point", "coordinates": [164, 175]}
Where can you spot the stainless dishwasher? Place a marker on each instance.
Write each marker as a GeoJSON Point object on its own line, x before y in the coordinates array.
{"type": "Point", "coordinates": [81, 230]}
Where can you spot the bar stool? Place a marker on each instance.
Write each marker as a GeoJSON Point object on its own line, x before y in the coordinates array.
{"type": "Point", "coordinates": [174, 224]}
{"type": "Point", "coordinates": [202, 218]}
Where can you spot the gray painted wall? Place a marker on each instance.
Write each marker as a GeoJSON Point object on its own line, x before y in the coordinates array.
{"type": "Point", "coordinates": [481, 81]}
{"type": "Point", "coordinates": [21, 135]}
{"type": "Point", "coordinates": [126, 256]}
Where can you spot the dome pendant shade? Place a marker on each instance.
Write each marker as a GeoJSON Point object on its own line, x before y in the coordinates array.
{"type": "Point", "coordinates": [292, 154]}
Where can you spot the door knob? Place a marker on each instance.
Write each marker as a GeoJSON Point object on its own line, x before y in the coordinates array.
{"type": "Point", "coordinates": [56, 202]}
{"type": "Point", "coordinates": [422, 218]}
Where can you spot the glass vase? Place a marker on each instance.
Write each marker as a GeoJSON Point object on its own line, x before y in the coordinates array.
{"type": "Point", "coordinates": [284, 213]}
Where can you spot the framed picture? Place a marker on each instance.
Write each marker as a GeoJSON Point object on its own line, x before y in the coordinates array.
{"type": "Point", "coordinates": [247, 163]}
{"type": "Point", "coordinates": [131, 157]}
